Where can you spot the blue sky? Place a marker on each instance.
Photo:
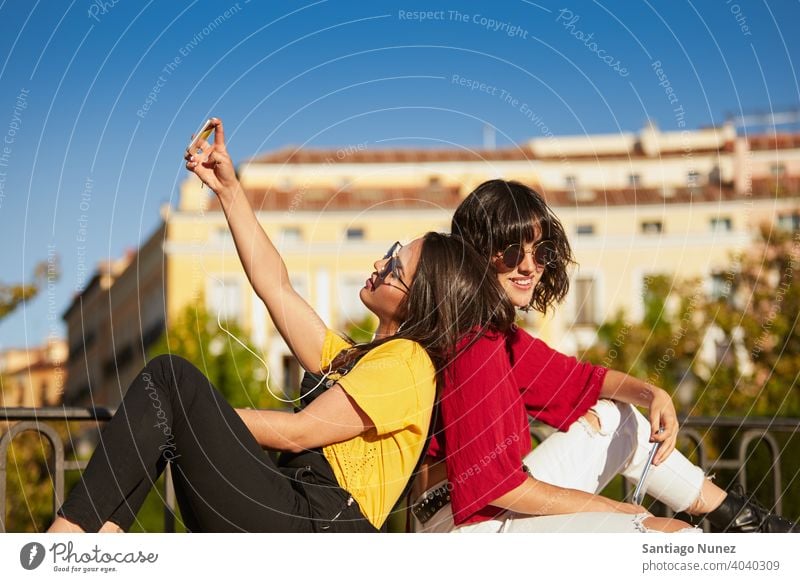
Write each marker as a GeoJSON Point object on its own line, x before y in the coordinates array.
{"type": "Point", "coordinates": [76, 78]}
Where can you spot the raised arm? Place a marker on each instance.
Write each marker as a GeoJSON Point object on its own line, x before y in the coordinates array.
{"type": "Point", "coordinates": [296, 321]}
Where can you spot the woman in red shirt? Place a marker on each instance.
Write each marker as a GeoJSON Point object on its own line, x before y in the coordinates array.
{"type": "Point", "coordinates": [493, 478]}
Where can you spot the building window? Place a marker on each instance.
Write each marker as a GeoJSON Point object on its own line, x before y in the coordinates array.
{"type": "Point", "coordinates": [350, 306]}
{"type": "Point", "coordinates": [368, 196]}
{"type": "Point", "coordinates": [300, 285]}
{"type": "Point", "coordinates": [152, 333]}
{"type": "Point", "coordinates": [221, 234]}
{"type": "Point", "coordinates": [118, 362]}
{"type": "Point", "coordinates": [571, 182]}
{"type": "Point", "coordinates": [316, 194]}
{"type": "Point", "coordinates": [584, 230]}
{"type": "Point", "coordinates": [721, 224]}
{"type": "Point", "coordinates": [258, 320]}
{"type": "Point", "coordinates": [584, 301]}
{"type": "Point", "coordinates": [435, 188]}
{"type": "Point", "coordinates": [789, 221]}
{"type": "Point", "coordinates": [777, 170]}
{"type": "Point", "coordinates": [693, 179]}
{"type": "Point", "coordinates": [291, 234]}
{"type": "Point", "coordinates": [721, 285]}
{"type": "Point", "coordinates": [224, 298]}
{"type": "Point", "coordinates": [634, 180]}
{"type": "Point", "coordinates": [355, 234]}
{"type": "Point", "coordinates": [435, 182]}
{"type": "Point", "coordinates": [652, 227]}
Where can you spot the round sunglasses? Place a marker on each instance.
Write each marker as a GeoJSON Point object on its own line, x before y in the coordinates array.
{"type": "Point", "coordinates": [544, 254]}
{"type": "Point", "coordinates": [393, 266]}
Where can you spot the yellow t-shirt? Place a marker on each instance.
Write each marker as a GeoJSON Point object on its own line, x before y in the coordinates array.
{"type": "Point", "coordinates": [395, 385]}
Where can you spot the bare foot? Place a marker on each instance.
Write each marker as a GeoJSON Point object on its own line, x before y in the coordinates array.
{"type": "Point", "coordinates": [665, 524]}
{"type": "Point", "coordinates": [111, 527]}
{"type": "Point", "coordinates": [61, 525]}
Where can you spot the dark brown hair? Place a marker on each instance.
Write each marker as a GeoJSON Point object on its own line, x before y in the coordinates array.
{"type": "Point", "coordinates": [454, 294]}
{"type": "Point", "coordinates": [499, 213]}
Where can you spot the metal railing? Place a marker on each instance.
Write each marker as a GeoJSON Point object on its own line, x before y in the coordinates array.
{"type": "Point", "coordinates": [735, 456]}
{"type": "Point", "coordinates": [747, 431]}
{"type": "Point", "coordinates": [36, 420]}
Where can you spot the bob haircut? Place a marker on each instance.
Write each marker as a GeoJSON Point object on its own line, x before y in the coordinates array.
{"type": "Point", "coordinates": [499, 213]}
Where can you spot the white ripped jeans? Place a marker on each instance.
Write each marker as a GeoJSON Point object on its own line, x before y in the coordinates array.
{"type": "Point", "coordinates": [588, 459]}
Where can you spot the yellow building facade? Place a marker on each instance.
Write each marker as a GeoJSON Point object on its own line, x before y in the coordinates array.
{"type": "Point", "coordinates": [634, 205]}
{"type": "Point", "coordinates": [33, 377]}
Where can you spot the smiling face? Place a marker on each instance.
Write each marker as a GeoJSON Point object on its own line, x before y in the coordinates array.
{"type": "Point", "coordinates": [500, 213]}
{"type": "Point", "coordinates": [385, 296]}
{"type": "Point", "coordinates": [520, 281]}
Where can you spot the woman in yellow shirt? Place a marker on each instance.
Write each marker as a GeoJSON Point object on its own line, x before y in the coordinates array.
{"type": "Point", "coordinates": [350, 452]}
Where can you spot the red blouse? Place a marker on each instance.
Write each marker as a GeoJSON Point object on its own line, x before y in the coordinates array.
{"type": "Point", "coordinates": [557, 389]}
{"type": "Point", "coordinates": [489, 388]}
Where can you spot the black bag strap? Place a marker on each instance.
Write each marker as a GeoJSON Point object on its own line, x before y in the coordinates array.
{"type": "Point", "coordinates": [312, 385]}
{"type": "Point", "coordinates": [405, 495]}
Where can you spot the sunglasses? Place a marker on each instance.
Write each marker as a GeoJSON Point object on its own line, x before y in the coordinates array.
{"type": "Point", "coordinates": [544, 254]}
{"type": "Point", "coordinates": [393, 266]}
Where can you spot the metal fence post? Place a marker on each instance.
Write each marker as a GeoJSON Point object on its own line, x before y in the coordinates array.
{"type": "Point", "coordinates": [58, 455]}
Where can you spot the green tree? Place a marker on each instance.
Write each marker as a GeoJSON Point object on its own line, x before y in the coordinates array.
{"type": "Point", "coordinates": [15, 294]}
{"type": "Point", "coordinates": [737, 353]}
{"type": "Point", "coordinates": [363, 330]}
{"type": "Point", "coordinates": [231, 365]}
{"type": "Point", "coordinates": [753, 322]}
{"type": "Point", "coordinates": [29, 490]}
{"type": "Point", "coordinates": [29, 485]}
{"type": "Point", "coordinates": [755, 319]}
{"type": "Point", "coordinates": [749, 325]}
{"type": "Point", "coordinates": [661, 347]}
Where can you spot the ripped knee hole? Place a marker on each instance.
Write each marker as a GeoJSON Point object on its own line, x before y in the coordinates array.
{"type": "Point", "coordinates": [592, 420]}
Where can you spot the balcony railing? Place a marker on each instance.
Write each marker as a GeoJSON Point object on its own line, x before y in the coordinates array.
{"type": "Point", "coordinates": [37, 420]}
{"type": "Point", "coordinates": [747, 432]}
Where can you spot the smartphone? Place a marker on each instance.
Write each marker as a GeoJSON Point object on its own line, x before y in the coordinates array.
{"type": "Point", "coordinates": [201, 134]}
{"type": "Point", "coordinates": [638, 493]}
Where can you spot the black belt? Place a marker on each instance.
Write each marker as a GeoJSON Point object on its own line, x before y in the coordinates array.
{"type": "Point", "coordinates": [431, 503]}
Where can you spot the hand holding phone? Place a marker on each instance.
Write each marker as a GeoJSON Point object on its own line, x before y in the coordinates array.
{"type": "Point", "coordinates": [213, 166]}
{"type": "Point", "coordinates": [638, 493]}
{"type": "Point", "coordinates": [202, 134]}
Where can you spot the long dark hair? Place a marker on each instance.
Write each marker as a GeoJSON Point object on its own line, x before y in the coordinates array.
{"type": "Point", "coordinates": [499, 213]}
{"type": "Point", "coordinates": [454, 295]}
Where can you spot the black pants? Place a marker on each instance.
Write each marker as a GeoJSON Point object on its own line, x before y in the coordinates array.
{"type": "Point", "coordinates": [224, 481]}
